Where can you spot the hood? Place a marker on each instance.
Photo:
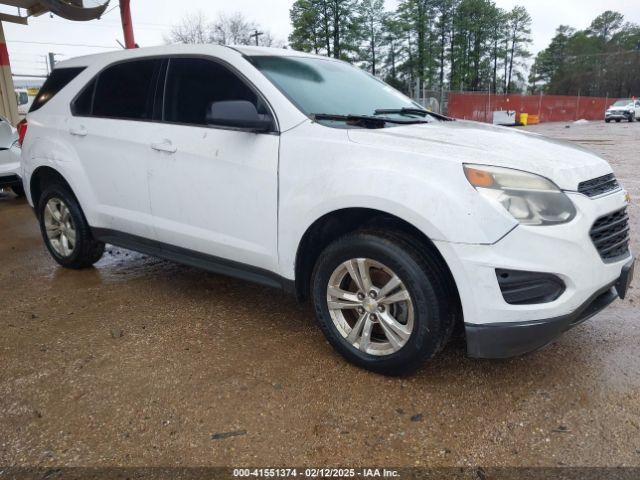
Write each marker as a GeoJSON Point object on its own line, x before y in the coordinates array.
{"type": "Point", "coordinates": [564, 163]}
{"type": "Point", "coordinates": [614, 108]}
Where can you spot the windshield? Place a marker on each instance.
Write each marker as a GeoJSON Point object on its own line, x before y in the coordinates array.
{"type": "Point", "coordinates": [622, 103]}
{"type": "Point", "coordinates": [319, 86]}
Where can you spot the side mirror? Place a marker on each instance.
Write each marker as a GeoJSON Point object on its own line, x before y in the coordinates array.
{"type": "Point", "coordinates": [238, 114]}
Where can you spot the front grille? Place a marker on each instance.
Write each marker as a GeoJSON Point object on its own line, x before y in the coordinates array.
{"type": "Point", "coordinates": [610, 235]}
{"type": "Point", "coordinates": [598, 186]}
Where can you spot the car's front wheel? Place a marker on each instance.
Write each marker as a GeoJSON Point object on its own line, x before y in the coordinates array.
{"type": "Point", "coordinates": [65, 230]}
{"type": "Point", "coordinates": [381, 302]}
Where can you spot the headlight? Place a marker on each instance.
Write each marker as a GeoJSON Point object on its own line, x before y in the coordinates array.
{"type": "Point", "coordinates": [529, 198]}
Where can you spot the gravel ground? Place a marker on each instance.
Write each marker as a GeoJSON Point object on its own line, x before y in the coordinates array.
{"type": "Point", "coordinates": [143, 362]}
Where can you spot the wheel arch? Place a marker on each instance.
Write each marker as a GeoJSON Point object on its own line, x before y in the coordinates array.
{"type": "Point", "coordinates": [41, 178]}
{"type": "Point", "coordinates": [340, 222]}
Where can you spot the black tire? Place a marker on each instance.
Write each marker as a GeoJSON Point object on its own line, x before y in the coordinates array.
{"type": "Point", "coordinates": [618, 120]}
{"type": "Point", "coordinates": [423, 278]}
{"type": "Point", "coordinates": [87, 250]}
{"type": "Point", "coordinates": [18, 190]}
{"type": "Point", "coordinates": [632, 118]}
{"type": "Point", "coordinates": [608, 120]}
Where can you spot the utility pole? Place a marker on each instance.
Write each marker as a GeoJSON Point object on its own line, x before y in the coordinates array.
{"type": "Point", "coordinates": [127, 24]}
{"type": "Point", "coordinates": [256, 34]}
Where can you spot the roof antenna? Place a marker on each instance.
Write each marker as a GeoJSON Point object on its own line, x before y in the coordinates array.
{"type": "Point", "coordinates": [120, 43]}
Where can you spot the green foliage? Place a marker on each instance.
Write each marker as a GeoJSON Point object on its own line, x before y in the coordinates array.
{"type": "Point", "coordinates": [327, 27]}
{"type": "Point", "coordinates": [603, 60]}
{"type": "Point", "coordinates": [372, 18]}
{"type": "Point", "coordinates": [433, 44]}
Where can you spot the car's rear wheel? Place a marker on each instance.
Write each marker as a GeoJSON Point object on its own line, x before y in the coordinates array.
{"type": "Point", "coordinates": [65, 230]}
{"type": "Point", "coordinates": [632, 118]}
{"type": "Point", "coordinates": [381, 303]}
{"type": "Point", "coordinates": [618, 120]}
{"type": "Point", "coordinates": [608, 120]}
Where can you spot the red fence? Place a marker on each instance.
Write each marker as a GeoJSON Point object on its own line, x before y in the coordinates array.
{"type": "Point", "coordinates": [549, 108]}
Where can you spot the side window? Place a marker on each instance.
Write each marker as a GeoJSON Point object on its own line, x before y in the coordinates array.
{"type": "Point", "coordinates": [193, 84]}
{"type": "Point", "coordinates": [58, 79]}
{"type": "Point", "coordinates": [126, 90]}
{"type": "Point", "coordinates": [83, 104]}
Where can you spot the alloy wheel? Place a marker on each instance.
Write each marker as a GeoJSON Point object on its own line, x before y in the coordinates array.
{"type": "Point", "coordinates": [370, 306]}
{"type": "Point", "coordinates": [59, 226]}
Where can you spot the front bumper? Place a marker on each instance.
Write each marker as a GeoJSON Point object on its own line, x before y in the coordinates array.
{"type": "Point", "coordinates": [617, 115]}
{"type": "Point", "coordinates": [504, 340]}
{"type": "Point", "coordinates": [496, 328]}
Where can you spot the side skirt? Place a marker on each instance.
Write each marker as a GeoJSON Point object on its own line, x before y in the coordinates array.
{"type": "Point", "coordinates": [194, 259]}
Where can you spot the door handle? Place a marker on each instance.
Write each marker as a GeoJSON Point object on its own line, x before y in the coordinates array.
{"type": "Point", "coordinates": [164, 146]}
{"type": "Point", "coordinates": [78, 132]}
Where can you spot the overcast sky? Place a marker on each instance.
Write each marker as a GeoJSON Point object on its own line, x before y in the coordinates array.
{"type": "Point", "coordinates": [152, 20]}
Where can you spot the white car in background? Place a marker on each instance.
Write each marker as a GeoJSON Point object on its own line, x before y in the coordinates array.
{"type": "Point", "coordinates": [306, 173]}
{"type": "Point", "coordinates": [625, 109]}
{"type": "Point", "coordinates": [10, 158]}
{"type": "Point", "coordinates": [24, 101]}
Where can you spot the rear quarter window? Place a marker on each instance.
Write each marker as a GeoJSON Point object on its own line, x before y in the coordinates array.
{"type": "Point", "coordinates": [59, 78]}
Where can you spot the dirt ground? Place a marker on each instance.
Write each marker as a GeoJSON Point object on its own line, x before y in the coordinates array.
{"type": "Point", "coordinates": [143, 362]}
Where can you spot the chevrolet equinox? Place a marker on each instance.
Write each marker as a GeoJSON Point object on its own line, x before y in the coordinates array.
{"type": "Point", "coordinates": [308, 174]}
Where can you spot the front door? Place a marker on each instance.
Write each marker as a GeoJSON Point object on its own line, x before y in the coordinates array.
{"type": "Point", "coordinates": [213, 190]}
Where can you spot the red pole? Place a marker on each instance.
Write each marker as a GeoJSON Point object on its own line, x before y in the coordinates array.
{"type": "Point", "coordinates": [127, 24]}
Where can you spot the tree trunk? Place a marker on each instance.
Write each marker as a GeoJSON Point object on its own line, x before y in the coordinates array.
{"type": "Point", "coordinates": [442, 43]}
{"type": "Point", "coordinates": [421, 44]}
{"type": "Point", "coordinates": [506, 62]}
{"type": "Point", "coordinates": [336, 29]}
{"type": "Point", "coordinates": [325, 21]}
{"type": "Point", "coordinates": [373, 53]}
{"type": "Point", "coordinates": [452, 60]}
{"type": "Point", "coordinates": [513, 49]}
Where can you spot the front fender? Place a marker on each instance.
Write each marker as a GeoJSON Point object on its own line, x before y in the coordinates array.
{"type": "Point", "coordinates": [322, 175]}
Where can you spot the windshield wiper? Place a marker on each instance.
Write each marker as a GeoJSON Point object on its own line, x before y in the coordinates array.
{"type": "Point", "coordinates": [367, 121]}
{"type": "Point", "coordinates": [412, 111]}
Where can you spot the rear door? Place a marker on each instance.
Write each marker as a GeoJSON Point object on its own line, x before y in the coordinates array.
{"type": "Point", "coordinates": [111, 130]}
{"type": "Point", "coordinates": [213, 190]}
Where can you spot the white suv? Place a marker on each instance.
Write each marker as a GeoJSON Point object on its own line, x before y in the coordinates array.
{"type": "Point", "coordinates": [625, 109]}
{"type": "Point", "coordinates": [305, 173]}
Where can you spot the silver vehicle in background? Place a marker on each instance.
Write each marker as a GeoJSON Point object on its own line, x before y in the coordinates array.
{"type": "Point", "coordinates": [10, 158]}
{"type": "Point", "coordinates": [24, 100]}
{"type": "Point", "coordinates": [624, 109]}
